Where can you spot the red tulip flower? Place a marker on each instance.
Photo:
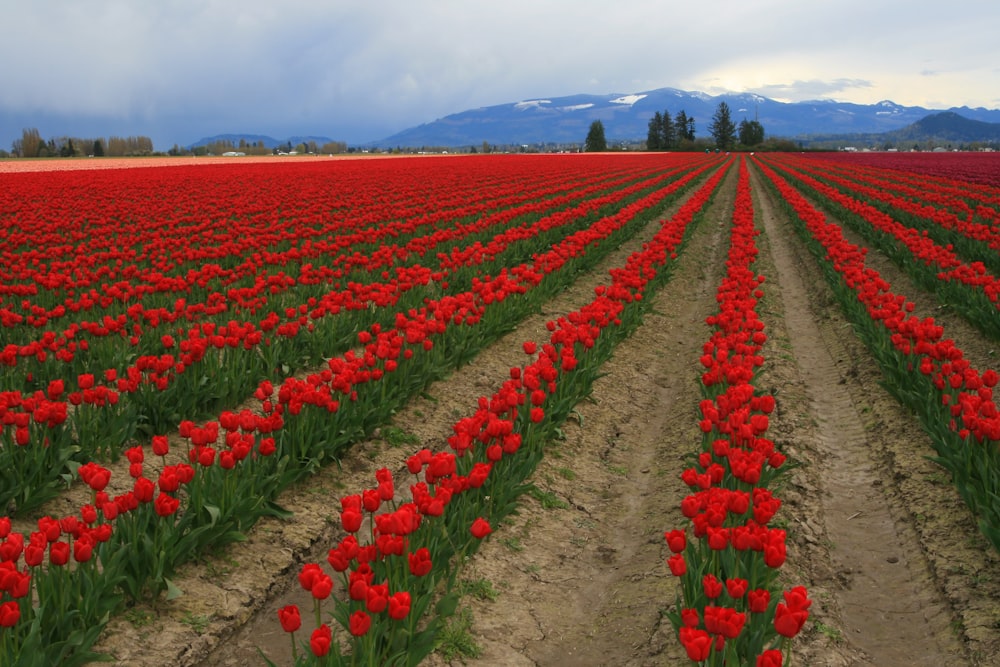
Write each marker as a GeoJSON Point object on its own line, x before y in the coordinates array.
{"type": "Point", "coordinates": [308, 575]}
{"type": "Point", "coordinates": [770, 658]}
{"type": "Point", "coordinates": [788, 622]}
{"type": "Point", "coordinates": [359, 623]}
{"type": "Point", "coordinates": [320, 640]}
{"type": "Point", "coordinates": [758, 600]}
{"type": "Point", "coordinates": [322, 587]}
{"type": "Point", "coordinates": [677, 564]}
{"type": "Point", "coordinates": [676, 540]}
{"type": "Point", "coordinates": [736, 588]}
{"type": "Point", "coordinates": [351, 520]}
{"type": "Point", "coordinates": [10, 614]}
{"type": "Point", "coordinates": [712, 586]}
{"type": "Point", "coordinates": [377, 598]}
{"type": "Point", "coordinates": [697, 643]}
{"type": "Point", "coordinates": [399, 605]}
{"type": "Point", "coordinates": [480, 528]}
{"type": "Point", "coordinates": [290, 618]}
{"type": "Point", "coordinates": [59, 553]}
{"type": "Point", "coordinates": [166, 505]}
{"type": "Point", "coordinates": [420, 562]}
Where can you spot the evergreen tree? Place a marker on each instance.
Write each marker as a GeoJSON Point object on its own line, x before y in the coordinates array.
{"type": "Point", "coordinates": [654, 137]}
{"type": "Point", "coordinates": [751, 132]}
{"type": "Point", "coordinates": [595, 138]}
{"type": "Point", "coordinates": [722, 128]}
{"type": "Point", "coordinates": [98, 150]}
{"type": "Point", "coordinates": [684, 126]}
{"type": "Point", "coordinates": [668, 134]}
{"type": "Point", "coordinates": [680, 122]}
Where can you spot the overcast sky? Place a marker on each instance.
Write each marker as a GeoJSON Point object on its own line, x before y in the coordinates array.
{"type": "Point", "coordinates": [179, 70]}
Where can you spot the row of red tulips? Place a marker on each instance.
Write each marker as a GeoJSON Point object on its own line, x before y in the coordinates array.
{"type": "Point", "coordinates": [182, 240]}
{"type": "Point", "coordinates": [350, 267]}
{"type": "Point", "coordinates": [146, 365]}
{"type": "Point", "coordinates": [729, 611]}
{"type": "Point", "coordinates": [219, 366]}
{"type": "Point", "coordinates": [344, 244]}
{"type": "Point", "coordinates": [965, 197]}
{"type": "Point", "coordinates": [402, 552]}
{"type": "Point", "coordinates": [963, 170]}
{"type": "Point", "coordinates": [221, 489]}
{"type": "Point", "coordinates": [925, 370]}
{"type": "Point", "coordinates": [945, 212]}
{"type": "Point", "coordinates": [969, 288]}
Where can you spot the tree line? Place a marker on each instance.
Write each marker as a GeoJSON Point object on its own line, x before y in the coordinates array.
{"type": "Point", "coordinates": [221, 146]}
{"type": "Point", "coordinates": [677, 132]}
{"type": "Point", "coordinates": [666, 133]}
{"type": "Point", "coordinates": [31, 144]}
{"type": "Point", "coordinates": [726, 133]}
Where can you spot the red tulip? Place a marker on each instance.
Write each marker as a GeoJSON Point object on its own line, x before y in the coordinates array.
{"type": "Point", "coordinates": [10, 614]}
{"type": "Point", "coordinates": [359, 623]}
{"type": "Point", "coordinates": [320, 640]}
{"type": "Point", "coordinates": [480, 528]}
{"type": "Point", "coordinates": [290, 618]}
{"type": "Point", "coordinates": [399, 605]}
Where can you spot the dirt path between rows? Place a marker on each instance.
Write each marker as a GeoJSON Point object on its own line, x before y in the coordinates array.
{"type": "Point", "coordinates": [895, 565]}
{"type": "Point", "coordinates": [883, 591]}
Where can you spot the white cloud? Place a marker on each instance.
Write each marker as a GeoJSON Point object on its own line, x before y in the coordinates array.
{"type": "Point", "coordinates": [187, 68]}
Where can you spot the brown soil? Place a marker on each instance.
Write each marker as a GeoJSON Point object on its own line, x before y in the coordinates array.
{"type": "Point", "coordinates": [898, 571]}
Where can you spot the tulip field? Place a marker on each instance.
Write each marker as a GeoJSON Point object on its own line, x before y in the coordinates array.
{"type": "Point", "coordinates": [188, 348]}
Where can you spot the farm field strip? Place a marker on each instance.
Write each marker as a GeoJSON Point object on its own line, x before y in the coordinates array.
{"type": "Point", "coordinates": [569, 253]}
{"type": "Point", "coordinates": [477, 482]}
{"type": "Point", "coordinates": [968, 171]}
{"type": "Point", "coordinates": [925, 370]}
{"type": "Point", "coordinates": [946, 213]}
{"type": "Point", "coordinates": [270, 273]}
{"type": "Point", "coordinates": [349, 266]}
{"type": "Point", "coordinates": [961, 198]}
{"type": "Point", "coordinates": [152, 499]}
{"type": "Point", "coordinates": [372, 219]}
{"type": "Point", "coordinates": [969, 288]}
{"type": "Point", "coordinates": [236, 356]}
{"type": "Point", "coordinates": [851, 443]}
{"type": "Point", "coordinates": [730, 612]}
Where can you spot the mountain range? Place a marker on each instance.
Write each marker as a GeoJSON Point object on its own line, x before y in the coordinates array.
{"type": "Point", "coordinates": [566, 120]}
{"type": "Point", "coordinates": [626, 117]}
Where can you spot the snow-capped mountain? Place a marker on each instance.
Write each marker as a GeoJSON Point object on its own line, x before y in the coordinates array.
{"type": "Point", "coordinates": [626, 117]}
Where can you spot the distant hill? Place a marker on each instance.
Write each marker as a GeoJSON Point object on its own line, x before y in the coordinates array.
{"type": "Point", "coordinates": [948, 126]}
{"type": "Point", "coordinates": [269, 142]}
{"type": "Point", "coordinates": [626, 117]}
{"type": "Point", "coordinates": [936, 129]}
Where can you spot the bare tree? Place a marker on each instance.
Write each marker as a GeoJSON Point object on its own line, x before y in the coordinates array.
{"type": "Point", "coordinates": [31, 142]}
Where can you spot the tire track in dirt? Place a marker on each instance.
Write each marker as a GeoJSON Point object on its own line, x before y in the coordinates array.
{"type": "Point", "coordinates": [964, 566]}
{"type": "Point", "coordinates": [887, 599]}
